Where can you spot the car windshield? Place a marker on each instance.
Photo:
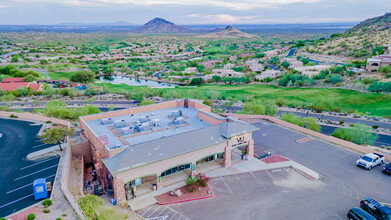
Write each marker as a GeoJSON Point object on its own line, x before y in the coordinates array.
{"type": "Point", "coordinates": [367, 158]}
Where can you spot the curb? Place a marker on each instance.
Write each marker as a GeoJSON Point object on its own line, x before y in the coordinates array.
{"type": "Point", "coordinates": [187, 200]}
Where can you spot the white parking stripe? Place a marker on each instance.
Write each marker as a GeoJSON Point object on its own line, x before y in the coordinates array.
{"type": "Point", "coordinates": [39, 145]}
{"type": "Point", "coordinates": [226, 184]}
{"type": "Point", "coordinates": [38, 163]}
{"type": "Point", "coordinates": [153, 211]}
{"type": "Point", "coordinates": [35, 172]}
{"type": "Point", "coordinates": [146, 211]}
{"type": "Point", "coordinates": [16, 200]}
{"type": "Point", "coordinates": [27, 185]}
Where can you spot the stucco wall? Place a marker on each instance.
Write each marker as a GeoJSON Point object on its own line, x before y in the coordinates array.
{"type": "Point", "coordinates": [160, 166]}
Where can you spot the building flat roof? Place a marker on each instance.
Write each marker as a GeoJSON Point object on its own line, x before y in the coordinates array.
{"type": "Point", "coordinates": [165, 129]}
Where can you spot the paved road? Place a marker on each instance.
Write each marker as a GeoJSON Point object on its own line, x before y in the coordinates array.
{"type": "Point", "coordinates": [334, 163]}
{"type": "Point", "coordinates": [16, 172]}
{"type": "Point", "coordinates": [338, 118]}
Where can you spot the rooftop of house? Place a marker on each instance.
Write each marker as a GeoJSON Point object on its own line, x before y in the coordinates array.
{"type": "Point", "coordinates": [12, 80]}
{"type": "Point", "coordinates": [14, 86]}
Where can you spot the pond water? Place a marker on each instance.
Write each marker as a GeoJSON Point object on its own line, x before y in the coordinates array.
{"type": "Point", "coordinates": [135, 82]}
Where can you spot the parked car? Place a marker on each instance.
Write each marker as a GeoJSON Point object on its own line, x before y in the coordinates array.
{"type": "Point", "coordinates": [368, 161]}
{"type": "Point", "coordinates": [387, 169]}
{"type": "Point", "coordinates": [359, 214]}
{"type": "Point", "coordinates": [377, 210]}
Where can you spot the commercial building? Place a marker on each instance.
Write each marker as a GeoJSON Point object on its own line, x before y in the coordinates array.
{"type": "Point", "coordinates": [139, 148]}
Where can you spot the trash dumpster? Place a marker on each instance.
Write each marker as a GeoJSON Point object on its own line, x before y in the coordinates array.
{"type": "Point", "coordinates": [40, 190]}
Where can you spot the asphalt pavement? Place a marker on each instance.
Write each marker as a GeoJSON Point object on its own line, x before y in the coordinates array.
{"type": "Point", "coordinates": [334, 163]}
{"type": "Point", "coordinates": [17, 174]}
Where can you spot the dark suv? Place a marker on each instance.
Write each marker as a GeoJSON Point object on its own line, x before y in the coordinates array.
{"type": "Point", "coordinates": [359, 214]}
{"type": "Point", "coordinates": [377, 210]}
{"type": "Point", "coordinates": [387, 169]}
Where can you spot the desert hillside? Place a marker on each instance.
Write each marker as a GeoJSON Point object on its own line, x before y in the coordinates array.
{"type": "Point", "coordinates": [365, 39]}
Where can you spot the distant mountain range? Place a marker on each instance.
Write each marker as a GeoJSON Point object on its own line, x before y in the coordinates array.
{"type": "Point", "coordinates": [228, 32]}
{"type": "Point", "coordinates": [160, 25]}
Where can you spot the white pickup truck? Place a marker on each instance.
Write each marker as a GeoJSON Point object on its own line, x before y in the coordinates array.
{"type": "Point", "coordinates": [368, 161]}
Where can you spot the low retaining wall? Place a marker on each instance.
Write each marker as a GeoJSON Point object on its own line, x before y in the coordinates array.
{"type": "Point", "coordinates": [331, 139]}
{"type": "Point", "coordinates": [66, 166]}
{"type": "Point", "coordinates": [35, 117]}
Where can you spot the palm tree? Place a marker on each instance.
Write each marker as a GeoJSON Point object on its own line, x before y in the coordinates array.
{"type": "Point", "coordinates": [56, 135]}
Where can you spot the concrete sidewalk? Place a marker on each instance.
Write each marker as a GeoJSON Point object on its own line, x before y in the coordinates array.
{"type": "Point", "coordinates": [45, 151]}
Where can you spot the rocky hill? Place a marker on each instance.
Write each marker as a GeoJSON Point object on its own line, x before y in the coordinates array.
{"type": "Point", "coordinates": [365, 39]}
{"type": "Point", "coordinates": [228, 32]}
{"type": "Point", "coordinates": [160, 25]}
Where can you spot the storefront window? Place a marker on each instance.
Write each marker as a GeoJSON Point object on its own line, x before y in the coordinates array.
{"type": "Point", "coordinates": [210, 158]}
{"type": "Point", "coordinates": [175, 170]}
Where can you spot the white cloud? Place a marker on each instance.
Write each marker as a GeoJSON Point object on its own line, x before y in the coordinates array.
{"type": "Point", "coordinates": [230, 4]}
{"type": "Point", "coordinates": [223, 18]}
{"type": "Point", "coordinates": [230, 19]}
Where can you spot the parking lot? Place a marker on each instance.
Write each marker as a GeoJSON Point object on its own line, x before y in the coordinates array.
{"type": "Point", "coordinates": [272, 194]}
{"type": "Point", "coordinates": [19, 138]}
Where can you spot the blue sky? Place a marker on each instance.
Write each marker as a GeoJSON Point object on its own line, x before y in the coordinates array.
{"type": "Point", "coordinates": [190, 11]}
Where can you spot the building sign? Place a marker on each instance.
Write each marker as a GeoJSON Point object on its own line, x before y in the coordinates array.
{"type": "Point", "coordinates": [137, 182]}
{"type": "Point", "coordinates": [240, 141]}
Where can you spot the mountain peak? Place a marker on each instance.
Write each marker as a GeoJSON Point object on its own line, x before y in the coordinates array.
{"type": "Point", "coordinates": [229, 27]}
{"type": "Point", "coordinates": [160, 25]}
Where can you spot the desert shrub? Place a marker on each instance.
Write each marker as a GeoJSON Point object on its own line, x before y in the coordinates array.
{"type": "Point", "coordinates": [47, 202]}
{"type": "Point", "coordinates": [280, 102]}
{"type": "Point", "coordinates": [46, 211]}
{"type": "Point", "coordinates": [293, 119]}
{"type": "Point", "coordinates": [367, 80]}
{"type": "Point", "coordinates": [311, 124]}
{"type": "Point", "coordinates": [359, 134]}
{"type": "Point", "coordinates": [31, 216]}
{"type": "Point", "coordinates": [335, 78]}
{"type": "Point", "coordinates": [146, 102]}
{"type": "Point", "coordinates": [91, 205]}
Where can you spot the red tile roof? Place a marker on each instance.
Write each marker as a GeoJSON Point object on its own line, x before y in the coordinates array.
{"type": "Point", "coordinates": [14, 86]}
{"type": "Point", "coordinates": [12, 80]}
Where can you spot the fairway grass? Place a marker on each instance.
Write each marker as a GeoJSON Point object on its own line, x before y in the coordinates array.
{"type": "Point", "coordinates": [61, 75]}
{"type": "Point", "coordinates": [375, 104]}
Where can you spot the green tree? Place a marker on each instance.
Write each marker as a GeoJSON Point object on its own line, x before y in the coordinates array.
{"type": "Point", "coordinates": [83, 77]}
{"type": "Point", "coordinates": [254, 108]}
{"type": "Point", "coordinates": [216, 78]}
{"type": "Point", "coordinates": [285, 64]}
{"type": "Point", "coordinates": [56, 135]}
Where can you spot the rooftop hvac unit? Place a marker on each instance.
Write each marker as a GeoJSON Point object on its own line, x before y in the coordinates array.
{"type": "Point", "coordinates": [176, 113]}
{"type": "Point", "coordinates": [106, 121]}
{"type": "Point", "coordinates": [179, 121]}
{"type": "Point", "coordinates": [116, 146]}
{"type": "Point", "coordinates": [127, 131]}
{"type": "Point", "coordinates": [143, 119]}
{"type": "Point", "coordinates": [119, 124]}
{"type": "Point", "coordinates": [143, 127]}
{"type": "Point", "coordinates": [156, 122]}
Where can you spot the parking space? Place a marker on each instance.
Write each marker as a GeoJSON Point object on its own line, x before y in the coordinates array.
{"type": "Point", "coordinates": [17, 173]}
{"type": "Point", "coordinates": [159, 212]}
{"type": "Point", "coordinates": [272, 194]}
